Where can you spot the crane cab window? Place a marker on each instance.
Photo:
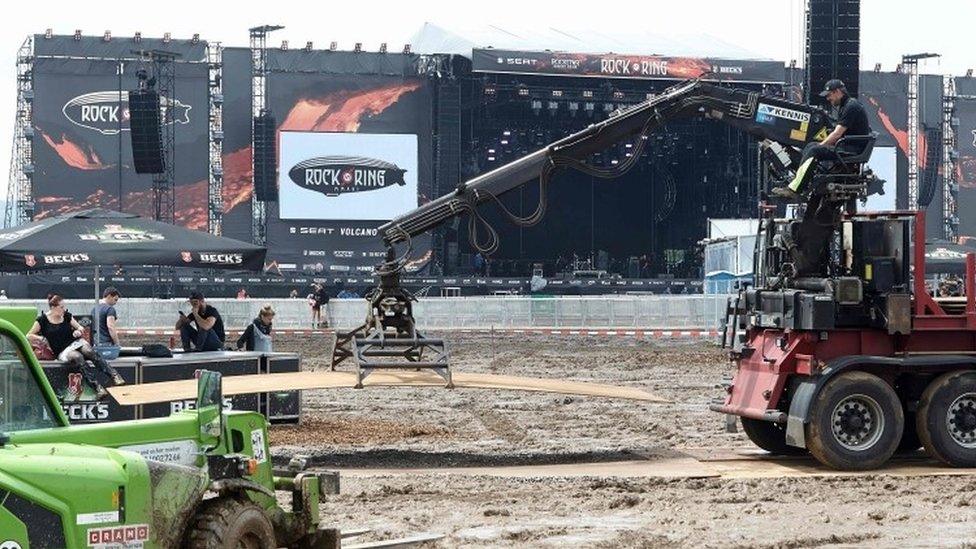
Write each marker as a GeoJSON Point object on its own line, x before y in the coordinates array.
{"type": "Point", "coordinates": [23, 406]}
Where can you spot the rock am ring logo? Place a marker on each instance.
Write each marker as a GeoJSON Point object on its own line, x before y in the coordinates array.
{"type": "Point", "coordinates": [107, 112]}
{"type": "Point", "coordinates": [336, 175]}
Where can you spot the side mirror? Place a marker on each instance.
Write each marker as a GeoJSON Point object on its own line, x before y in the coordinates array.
{"type": "Point", "coordinates": [210, 406]}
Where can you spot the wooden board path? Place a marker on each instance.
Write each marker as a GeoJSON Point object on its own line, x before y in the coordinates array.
{"type": "Point", "coordinates": [146, 393]}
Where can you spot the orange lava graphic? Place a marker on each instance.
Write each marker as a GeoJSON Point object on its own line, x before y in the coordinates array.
{"type": "Point", "coordinates": [74, 154]}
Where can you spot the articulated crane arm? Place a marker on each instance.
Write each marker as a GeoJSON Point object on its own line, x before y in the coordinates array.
{"type": "Point", "coordinates": [771, 119]}
{"type": "Point", "coordinates": [390, 330]}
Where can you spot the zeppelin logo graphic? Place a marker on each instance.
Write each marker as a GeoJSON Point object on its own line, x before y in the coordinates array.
{"type": "Point", "coordinates": [336, 175]}
{"type": "Point", "coordinates": [106, 111]}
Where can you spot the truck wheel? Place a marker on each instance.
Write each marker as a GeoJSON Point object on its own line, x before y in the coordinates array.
{"type": "Point", "coordinates": [769, 436]}
{"type": "Point", "coordinates": [947, 419]}
{"type": "Point", "coordinates": [856, 422]}
{"type": "Point", "coordinates": [226, 523]}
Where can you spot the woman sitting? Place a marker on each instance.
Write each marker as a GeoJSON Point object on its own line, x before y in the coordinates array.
{"type": "Point", "coordinates": [62, 333]}
{"type": "Point", "coordinates": [257, 335]}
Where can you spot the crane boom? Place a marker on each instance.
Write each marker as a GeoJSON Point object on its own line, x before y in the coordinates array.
{"type": "Point", "coordinates": [767, 118]}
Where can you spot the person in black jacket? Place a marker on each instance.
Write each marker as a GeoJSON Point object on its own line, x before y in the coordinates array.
{"type": "Point", "coordinates": [257, 335]}
{"type": "Point", "coordinates": [852, 120]}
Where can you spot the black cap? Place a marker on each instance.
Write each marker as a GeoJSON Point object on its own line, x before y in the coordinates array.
{"type": "Point", "coordinates": [833, 84]}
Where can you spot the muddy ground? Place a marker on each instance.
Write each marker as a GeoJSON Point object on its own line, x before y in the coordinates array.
{"type": "Point", "coordinates": [434, 427]}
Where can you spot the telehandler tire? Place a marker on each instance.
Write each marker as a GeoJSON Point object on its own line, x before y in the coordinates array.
{"type": "Point", "coordinates": [856, 422]}
{"type": "Point", "coordinates": [770, 437]}
{"type": "Point", "coordinates": [227, 523]}
{"type": "Point", "coordinates": [947, 419]}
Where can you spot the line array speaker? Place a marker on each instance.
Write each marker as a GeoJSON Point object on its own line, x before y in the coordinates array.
{"type": "Point", "coordinates": [145, 132]}
{"type": "Point", "coordinates": [265, 158]}
{"type": "Point", "coordinates": [833, 45]}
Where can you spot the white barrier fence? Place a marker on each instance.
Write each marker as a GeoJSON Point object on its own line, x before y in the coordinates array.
{"type": "Point", "coordinates": [702, 312]}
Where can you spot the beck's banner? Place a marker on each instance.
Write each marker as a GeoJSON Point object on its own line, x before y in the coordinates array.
{"type": "Point", "coordinates": [610, 65]}
{"type": "Point", "coordinates": [347, 176]}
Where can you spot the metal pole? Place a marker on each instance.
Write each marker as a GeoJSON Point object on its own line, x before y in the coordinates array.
{"type": "Point", "coordinates": [98, 312]}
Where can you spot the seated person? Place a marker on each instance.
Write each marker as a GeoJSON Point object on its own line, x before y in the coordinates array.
{"type": "Point", "coordinates": [59, 330]}
{"type": "Point", "coordinates": [852, 121]}
{"type": "Point", "coordinates": [202, 329]}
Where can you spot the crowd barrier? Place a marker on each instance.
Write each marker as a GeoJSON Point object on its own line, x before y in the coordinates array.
{"type": "Point", "coordinates": [697, 312]}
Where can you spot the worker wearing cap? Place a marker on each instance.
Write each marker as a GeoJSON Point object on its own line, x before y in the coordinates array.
{"type": "Point", "coordinates": [852, 120]}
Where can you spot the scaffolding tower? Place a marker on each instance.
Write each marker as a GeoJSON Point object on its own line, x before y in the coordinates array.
{"type": "Point", "coordinates": [163, 64]}
{"type": "Point", "coordinates": [950, 186]}
{"type": "Point", "coordinates": [259, 108]}
{"type": "Point", "coordinates": [215, 185]}
{"type": "Point", "coordinates": [20, 195]}
{"type": "Point", "coordinates": [910, 66]}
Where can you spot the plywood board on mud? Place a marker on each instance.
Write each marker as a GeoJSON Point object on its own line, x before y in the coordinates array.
{"type": "Point", "coordinates": [235, 385]}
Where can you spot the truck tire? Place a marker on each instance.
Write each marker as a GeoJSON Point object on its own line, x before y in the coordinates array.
{"type": "Point", "coordinates": [947, 419]}
{"type": "Point", "coordinates": [856, 422]}
{"type": "Point", "coordinates": [226, 523]}
{"type": "Point", "coordinates": [770, 437]}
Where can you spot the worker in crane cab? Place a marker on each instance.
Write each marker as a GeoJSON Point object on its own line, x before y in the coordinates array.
{"type": "Point", "coordinates": [852, 120]}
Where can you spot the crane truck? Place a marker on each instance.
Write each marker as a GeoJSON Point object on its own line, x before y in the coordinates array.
{"type": "Point", "coordinates": [838, 348]}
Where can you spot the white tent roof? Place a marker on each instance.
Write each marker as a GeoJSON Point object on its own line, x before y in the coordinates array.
{"type": "Point", "coordinates": [434, 39]}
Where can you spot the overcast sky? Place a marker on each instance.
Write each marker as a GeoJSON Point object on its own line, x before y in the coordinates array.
{"type": "Point", "coordinates": [770, 28]}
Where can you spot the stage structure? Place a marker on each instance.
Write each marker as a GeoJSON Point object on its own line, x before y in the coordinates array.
{"type": "Point", "coordinates": [909, 64]}
{"type": "Point", "coordinates": [260, 116]}
{"type": "Point", "coordinates": [20, 190]}
{"type": "Point", "coordinates": [215, 175]}
{"type": "Point", "coordinates": [471, 109]}
{"type": "Point", "coordinates": [163, 183]}
{"type": "Point", "coordinates": [950, 152]}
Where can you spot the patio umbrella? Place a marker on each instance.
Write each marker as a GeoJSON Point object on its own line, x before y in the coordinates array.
{"type": "Point", "coordinates": [107, 237]}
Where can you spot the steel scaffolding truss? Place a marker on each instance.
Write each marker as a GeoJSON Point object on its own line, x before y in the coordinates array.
{"type": "Point", "coordinates": [259, 106]}
{"type": "Point", "coordinates": [910, 65]}
{"type": "Point", "coordinates": [215, 186]}
{"type": "Point", "coordinates": [163, 65]}
{"type": "Point", "coordinates": [950, 186]}
{"type": "Point", "coordinates": [20, 195]}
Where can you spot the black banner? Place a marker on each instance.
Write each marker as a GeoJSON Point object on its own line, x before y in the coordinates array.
{"type": "Point", "coordinates": [82, 152]}
{"type": "Point", "coordinates": [610, 65]}
{"type": "Point", "coordinates": [966, 163]}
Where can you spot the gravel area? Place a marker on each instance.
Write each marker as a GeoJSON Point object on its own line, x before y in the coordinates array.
{"type": "Point", "coordinates": [395, 427]}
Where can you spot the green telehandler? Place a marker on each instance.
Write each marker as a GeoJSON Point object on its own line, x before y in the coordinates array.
{"type": "Point", "coordinates": [200, 478]}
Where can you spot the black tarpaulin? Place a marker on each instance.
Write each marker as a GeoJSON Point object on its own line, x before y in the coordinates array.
{"type": "Point", "coordinates": [106, 237]}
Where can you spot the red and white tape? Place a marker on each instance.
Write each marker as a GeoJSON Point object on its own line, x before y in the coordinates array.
{"type": "Point", "coordinates": [609, 332]}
